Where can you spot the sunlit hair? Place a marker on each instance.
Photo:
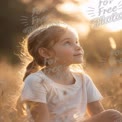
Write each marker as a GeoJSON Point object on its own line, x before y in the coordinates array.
{"type": "Point", "coordinates": [45, 36]}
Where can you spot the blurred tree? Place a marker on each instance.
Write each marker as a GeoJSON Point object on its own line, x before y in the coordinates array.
{"type": "Point", "coordinates": [20, 17]}
{"type": "Point", "coordinates": [10, 28]}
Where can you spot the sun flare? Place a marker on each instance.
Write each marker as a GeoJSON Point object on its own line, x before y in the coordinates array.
{"type": "Point", "coordinates": [106, 14]}
{"type": "Point", "coordinates": [114, 26]}
{"type": "Point", "coordinates": [112, 43]}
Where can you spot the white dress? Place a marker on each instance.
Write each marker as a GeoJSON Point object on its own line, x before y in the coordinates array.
{"type": "Point", "coordinates": [66, 103]}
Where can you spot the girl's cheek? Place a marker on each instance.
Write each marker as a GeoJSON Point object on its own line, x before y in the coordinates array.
{"type": "Point", "coordinates": [64, 50]}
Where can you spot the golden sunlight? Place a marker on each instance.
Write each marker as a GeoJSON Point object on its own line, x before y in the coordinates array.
{"type": "Point", "coordinates": [67, 7]}
{"type": "Point", "coordinates": [83, 29]}
{"type": "Point", "coordinates": [75, 10]}
{"type": "Point", "coordinates": [106, 14]}
{"type": "Point", "coordinates": [114, 26]}
{"type": "Point", "coordinates": [112, 43]}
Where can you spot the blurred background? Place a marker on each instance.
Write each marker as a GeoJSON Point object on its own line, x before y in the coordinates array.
{"type": "Point", "coordinates": [98, 23]}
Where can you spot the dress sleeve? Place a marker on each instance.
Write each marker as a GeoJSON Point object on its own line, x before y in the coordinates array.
{"type": "Point", "coordinates": [34, 89]}
{"type": "Point", "coordinates": [93, 93]}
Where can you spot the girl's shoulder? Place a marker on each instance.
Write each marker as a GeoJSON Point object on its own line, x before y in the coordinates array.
{"type": "Point", "coordinates": [80, 73]}
{"type": "Point", "coordinates": [83, 75]}
{"type": "Point", "coordinates": [35, 77]}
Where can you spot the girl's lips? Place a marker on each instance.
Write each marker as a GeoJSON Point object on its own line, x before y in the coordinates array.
{"type": "Point", "coordinates": [78, 54]}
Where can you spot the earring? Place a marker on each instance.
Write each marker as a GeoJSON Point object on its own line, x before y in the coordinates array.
{"type": "Point", "coordinates": [50, 61]}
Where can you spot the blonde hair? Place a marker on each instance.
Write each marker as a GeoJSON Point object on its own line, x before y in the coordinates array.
{"type": "Point", "coordinates": [45, 36]}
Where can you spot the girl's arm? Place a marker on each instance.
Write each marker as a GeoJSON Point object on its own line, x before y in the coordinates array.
{"type": "Point", "coordinates": [39, 111]}
{"type": "Point", "coordinates": [94, 108]}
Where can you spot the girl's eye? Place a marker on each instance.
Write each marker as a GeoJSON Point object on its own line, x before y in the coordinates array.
{"type": "Point", "coordinates": [67, 42]}
{"type": "Point", "coordinates": [70, 42]}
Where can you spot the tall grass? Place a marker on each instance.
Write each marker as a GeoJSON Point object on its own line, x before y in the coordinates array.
{"type": "Point", "coordinates": [10, 87]}
{"type": "Point", "coordinates": [109, 82]}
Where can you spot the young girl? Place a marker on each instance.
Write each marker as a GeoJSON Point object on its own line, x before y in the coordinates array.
{"type": "Point", "coordinates": [53, 91]}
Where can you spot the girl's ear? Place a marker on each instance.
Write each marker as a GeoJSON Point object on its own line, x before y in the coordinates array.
{"type": "Point", "coordinates": [44, 52]}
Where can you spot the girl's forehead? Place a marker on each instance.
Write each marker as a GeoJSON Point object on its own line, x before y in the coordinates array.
{"type": "Point", "coordinates": [69, 34]}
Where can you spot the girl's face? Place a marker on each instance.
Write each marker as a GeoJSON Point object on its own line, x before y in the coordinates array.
{"type": "Point", "coordinates": [68, 50]}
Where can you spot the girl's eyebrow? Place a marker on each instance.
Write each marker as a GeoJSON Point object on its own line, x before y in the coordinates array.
{"type": "Point", "coordinates": [65, 39]}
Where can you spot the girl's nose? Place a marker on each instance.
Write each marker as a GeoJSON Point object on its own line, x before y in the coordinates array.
{"type": "Point", "coordinates": [78, 47]}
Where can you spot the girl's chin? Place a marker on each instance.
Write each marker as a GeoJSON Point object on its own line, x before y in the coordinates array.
{"type": "Point", "coordinates": [78, 62]}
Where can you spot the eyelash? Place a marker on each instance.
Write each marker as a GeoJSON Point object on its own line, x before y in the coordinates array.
{"type": "Point", "coordinates": [68, 42]}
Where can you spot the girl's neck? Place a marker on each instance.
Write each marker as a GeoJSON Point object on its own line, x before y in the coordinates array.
{"type": "Point", "coordinates": [57, 69]}
{"type": "Point", "coordinates": [60, 73]}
